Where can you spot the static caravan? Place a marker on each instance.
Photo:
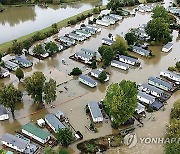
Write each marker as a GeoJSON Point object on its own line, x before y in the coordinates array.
{"type": "Point", "coordinates": [83, 33]}
{"type": "Point", "coordinates": [84, 57]}
{"type": "Point", "coordinates": [112, 20]}
{"type": "Point", "coordinates": [10, 65]}
{"type": "Point", "coordinates": [36, 133]}
{"type": "Point", "coordinates": [3, 113]}
{"type": "Point", "coordinates": [141, 51]}
{"type": "Point", "coordinates": [103, 23]}
{"type": "Point", "coordinates": [54, 123]}
{"type": "Point", "coordinates": [107, 41]}
{"type": "Point", "coordinates": [89, 30]}
{"type": "Point", "coordinates": [87, 81]}
{"type": "Point", "coordinates": [4, 73]}
{"type": "Point", "coordinates": [67, 40]}
{"type": "Point", "coordinates": [128, 60]}
{"type": "Point", "coordinates": [59, 114]}
{"type": "Point", "coordinates": [96, 72]}
{"type": "Point", "coordinates": [170, 75]}
{"type": "Point", "coordinates": [167, 47]}
{"type": "Point", "coordinates": [116, 16]}
{"type": "Point", "coordinates": [95, 112]}
{"type": "Point", "coordinates": [22, 61]}
{"type": "Point", "coordinates": [14, 142]}
{"type": "Point", "coordinates": [120, 65]}
{"type": "Point", "coordinates": [157, 82]}
{"type": "Point", "coordinates": [151, 90]}
{"type": "Point", "coordinates": [76, 36]}
{"type": "Point", "coordinates": [145, 98]}
{"type": "Point", "coordinates": [88, 52]}
{"type": "Point", "coordinates": [106, 19]}
{"type": "Point", "coordinates": [94, 27]}
{"type": "Point", "coordinates": [140, 108]}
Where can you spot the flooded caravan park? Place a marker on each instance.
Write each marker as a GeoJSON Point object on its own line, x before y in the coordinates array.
{"type": "Point", "coordinates": [73, 100]}
{"type": "Point", "coordinates": [19, 21]}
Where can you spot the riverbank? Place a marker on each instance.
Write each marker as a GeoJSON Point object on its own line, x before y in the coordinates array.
{"type": "Point", "coordinates": [64, 23]}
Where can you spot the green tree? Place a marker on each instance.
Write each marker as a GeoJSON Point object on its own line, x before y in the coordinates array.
{"type": "Point", "coordinates": [102, 76]}
{"type": "Point", "coordinates": [34, 85]}
{"type": "Point", "coordinates": [19, 74]}
{"type": "Point", "coordinates": [17, 47]}
{"type": "Point", "coordinates": [172, 148]}
{"type": "Point", "coordinates": [120, 45]}
{"type": "Point", "coordinates": [131, 38]}
{"type": "Point", "coordinates": [1, 55]}
{"type": "Point", "coordinates": [120, 101]}
{"type": "Point", "coordinates": [178, 65]}
{"type": "Point", "coordinates": [9, 97]}
{"type": "Point", "coordinates": [76, 71]}
{"type": "Point", "coordinates": [52, 47]}
{"type": "Point", "coordinates": [2, 151]}
{"type": "Point", "coordinates": [49, 150]}
{"type": "Point", "coordinates": [38, 50]}
{"type": "Point", "coordinates": [94, 65]}
{"type": "Point", "coordinates": [175, 111]}
{"type": "Point", "coordinates": [27, 44]}
{"type": "Point", "coordinates": [160, 12]}
{"type": "Point", "coordinates": [40, 90]}
{"type": "Point", "coordinates": [107, 54]}
{"type": "Point", "coordinates": [49, 91]}
{"type": "Point", "coordinates": [65, 136]}
{"type": "Point", "coordinates": [158, 30]}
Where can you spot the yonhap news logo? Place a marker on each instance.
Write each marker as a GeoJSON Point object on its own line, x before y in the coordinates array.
{"type": "Point", "coordinates": [131, 140]}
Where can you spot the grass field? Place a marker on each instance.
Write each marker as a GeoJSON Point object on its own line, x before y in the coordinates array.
{"type": "Point", "coordinates": [4, 47]}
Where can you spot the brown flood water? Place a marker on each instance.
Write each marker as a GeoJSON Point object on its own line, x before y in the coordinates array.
{"type": "Point", "coordinates": [78, 95]}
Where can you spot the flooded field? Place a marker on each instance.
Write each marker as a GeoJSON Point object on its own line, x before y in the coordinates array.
{"type": "Point", "coordinates": [19, 21]}
{"type": "Point", "coordinates": [73, 100]}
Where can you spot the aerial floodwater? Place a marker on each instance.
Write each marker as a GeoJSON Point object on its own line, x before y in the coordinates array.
{"type": "Point", "coordinates": [72, 96]}
{"type": "Point", "coordinates": [19, 21]}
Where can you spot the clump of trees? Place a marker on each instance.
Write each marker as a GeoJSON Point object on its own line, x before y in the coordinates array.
{"type": "Point", "coordinates": [120, 101]}
{"type": "Point", "coordinates": [108, 53]}
{"type": "Point", "coordinates": [9, 97]}
{"type": "Point", "coordinates": [65, 137]}
{"type": "Point", "coordinates": [76, 71]}
{"type": "Point", "coordinates": [38, 50]}
{"type": "Point", "coordinates": [131, 38]}
{"type": "Point", "coordinates": [158, 27]}
{"type": "Point", "coordinates": [40, 89]}
{"type": "Point", "coordinates": [52, 48]}
{"type": "Point", "coordinates": [173, 130]}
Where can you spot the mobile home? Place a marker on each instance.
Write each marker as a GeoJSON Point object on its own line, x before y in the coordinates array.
{"type": "Point", "coordinates": [116, 16]}
{"type": "Point", "coordinates": [10, 65]}
{"type": "Point", "coordinates": [67, 40]}
{"type": "Point", "coordinates": [94, 27]}
{"type": "Point", "coordinates": [157, 82]}
{"type": "Point", "coordinates": [22, 61]}
{"type": "Point", "coordinates": [36, 133]}
{"type": "Point", "coordinates": [145, 98]}
{"type": "Point", "coordinates": [170, 75]}
{"type": "Point", "coordinates": [84, 57]}
{"type": "Point", "coordinates": [141, 51]}
{"type": "Point", "coordinates": [4, 73]}
{"type": "Point", "coordinates": [82, 33]}
{"type": "Point", "coordinates": [76, 36]}
{"type": "Point", "coordinates": [89, 30]}
{"type": "Point", "coordinates": [108, 19]}
{"type": "Point", "coordinates": [54, 123]}
{"type": "Point", "coordinates": [95, 112]}
{"type": "Point", "coordinates": [96, 72]}
{"type": "Point", "coordinates": [87, 81]}
{"type": "Point", "coordinates": [107, 41]}
{"type": "Point", "coordinates": [128, 60]}
{"type": "Point", "coordinates": [140, 108]}
{"type": "Point", "coordinates": [167, 47]}
{"type": "Point", "coordinates": [88, 52]}
{"type": "Point", "coordinates": [102, 23]}
{"type": "Point", "coordinates": [120, 65]}
{"type": "Point", "coordinates": [3, 113]}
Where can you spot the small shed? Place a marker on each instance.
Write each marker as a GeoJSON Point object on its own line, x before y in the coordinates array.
{"type": "Point", "coordinates": [41, 122]}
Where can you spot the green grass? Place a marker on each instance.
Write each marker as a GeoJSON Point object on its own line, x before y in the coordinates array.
{"type": "Point", "coordinates": [4, 47]}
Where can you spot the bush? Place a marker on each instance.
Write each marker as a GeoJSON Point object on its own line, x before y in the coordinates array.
{"type": "Point", "coordinates": [102, 76]}
{"type": "Point", "coordinates": [178, 65]}
{"type": "Point", "coordinates": [72, 22]}
{"type": "Point", "coordinates": [96, 11]}
{"type": "Point", "coordinates": [94, 65]}
{"type": "Point", "coordinates": [90, 22]}
{"type": "Point", "coordinates": [94, 20]}
{"type": "Point", "coordinates": [149, 109]}
{"type": "Point", "coordinates": [76, 71]}
{"type": "Point", "coordinates": [171, 68]}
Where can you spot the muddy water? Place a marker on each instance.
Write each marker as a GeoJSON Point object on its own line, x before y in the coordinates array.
{"type": "Point", "coordinates": [19, 21]}
{"type": "Point", "coordinates": [73, 100]}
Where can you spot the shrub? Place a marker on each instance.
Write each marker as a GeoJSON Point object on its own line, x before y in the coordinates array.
{"type": "Point", "coordinates": [149, 109]}
{"type": "Point", "coordinates": [76, 71]}
{"type": "Point", "coordinates": [178, 65]}
{"type": "Point", "coordinates": [90, 22]}
{"type": "Point", "coordinates": [96, 10]}
{"type": "Point", "coordinates": [94, 65]}
{"type": "Point", "coordinates": [171, 68]}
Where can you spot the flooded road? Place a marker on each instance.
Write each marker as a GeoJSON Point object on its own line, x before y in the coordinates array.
{"type": "Point", "coordinates": [19, 21]}
{"type": "Point", "coordinates": [72, 101]}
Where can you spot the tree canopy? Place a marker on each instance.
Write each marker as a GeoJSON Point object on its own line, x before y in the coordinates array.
{"type": "Point", "coordinates": [102, 76]}
{"type": "Point", "coordinates": [107, 54]}
{"type": "Point", "coordinates": [120, 101]}
{"type": "Point", "coordinates": [19, 73]}
{"type": "Point", "coordinates": [36, 86]}
{"type": "Point", "coordinates": [9, 97]}
{"type": "Point", "coordinates": [52, 47]}
{"type": "Point", "coordinates": [131, 38]}
{"type": "Point", "coordinates": [65, 136]}
{"type": "Point", "coordinates": [38, 50]}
